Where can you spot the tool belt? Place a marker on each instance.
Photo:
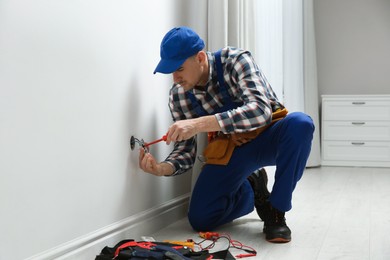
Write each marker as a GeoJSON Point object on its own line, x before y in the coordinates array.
{"type": "Point", "coordinates": [221, 146]}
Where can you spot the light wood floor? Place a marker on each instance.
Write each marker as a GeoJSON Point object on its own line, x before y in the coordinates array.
{"type": "Point", "coordinates": [338, 213]}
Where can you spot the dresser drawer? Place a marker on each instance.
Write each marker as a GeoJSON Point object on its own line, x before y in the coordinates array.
{"type": "Point", "coordinates": [357, 130]}
{"type": "Point", "coordinates": [358, 109]}
{"type": "Point", "coordinates": [356, 151]}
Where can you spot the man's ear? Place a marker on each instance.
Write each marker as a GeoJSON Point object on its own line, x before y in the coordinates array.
{"type": "Point", "coordinates": [201, 57]}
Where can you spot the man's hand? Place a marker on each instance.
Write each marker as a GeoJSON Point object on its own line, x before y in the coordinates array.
{"type": "Point", "coordinates": [181, 130]}
{"type": "Point", "coordinates": [185, 129]}
{"type": "Point", "coordinates": [149, 164]}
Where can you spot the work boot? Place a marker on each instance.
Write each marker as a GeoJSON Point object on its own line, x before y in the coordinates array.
{"type": "Point", "coordinates": [258, 181]}
{"type": "Point", "coordinates": [275, 227]}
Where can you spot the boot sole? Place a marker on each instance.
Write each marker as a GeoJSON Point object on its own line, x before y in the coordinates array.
{"type": "Point", "coordinates": [276, 237]}
{"type": "Point", "coordinates": [279, 240]}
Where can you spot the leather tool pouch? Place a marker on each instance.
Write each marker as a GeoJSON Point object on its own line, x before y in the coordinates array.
{"type": "Point", "coordinates": [220, 149]}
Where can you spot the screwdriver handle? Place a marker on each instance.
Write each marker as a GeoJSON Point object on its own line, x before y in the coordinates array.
{"type": "Point", "coordinates": [164, 138]}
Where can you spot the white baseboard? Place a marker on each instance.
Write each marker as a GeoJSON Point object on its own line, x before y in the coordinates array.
{"type": "Point", "coordinates": [133, 227]}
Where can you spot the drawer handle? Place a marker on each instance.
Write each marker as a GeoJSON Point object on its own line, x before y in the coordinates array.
{"type": "Point", "coordinates": [358, 123]}
{"type": "Point", "coordinates": [357, 143]}
{"type": "Point", "coordinates": [358, 103]}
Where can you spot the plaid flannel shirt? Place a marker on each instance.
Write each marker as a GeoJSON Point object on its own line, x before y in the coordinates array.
{"type": "Point", "coordinates": [246, 85]}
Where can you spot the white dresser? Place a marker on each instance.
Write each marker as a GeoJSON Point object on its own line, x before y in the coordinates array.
{"type": "Point", "coordinates": [356, 130]}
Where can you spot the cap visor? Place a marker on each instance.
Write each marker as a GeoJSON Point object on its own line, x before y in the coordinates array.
{"type": "Point", "coordinates": [168, 66]}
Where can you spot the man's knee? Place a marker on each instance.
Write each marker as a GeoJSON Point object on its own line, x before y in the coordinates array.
{"type": "Point", "coordinates": [198, 222]}
{"type": "Point", "coordinates": [301, 126]}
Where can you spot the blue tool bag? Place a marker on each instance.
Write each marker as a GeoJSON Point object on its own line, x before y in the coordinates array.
{"type": "Point", "coordinates": [133, 250]}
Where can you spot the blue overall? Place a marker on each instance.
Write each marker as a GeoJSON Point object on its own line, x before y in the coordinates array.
{"type": "Point", "coordinates": [223, 193]}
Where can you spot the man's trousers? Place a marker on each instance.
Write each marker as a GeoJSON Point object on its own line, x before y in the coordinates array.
{"type": "Point", "coordinates": [223, 193]}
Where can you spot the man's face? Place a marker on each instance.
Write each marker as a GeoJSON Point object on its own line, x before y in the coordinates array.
{"type": "Point", "coordinates": [189, 74]}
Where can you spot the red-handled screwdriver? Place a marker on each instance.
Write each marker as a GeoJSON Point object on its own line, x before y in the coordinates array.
{"type": "Point", "coordinates": [164, 138]}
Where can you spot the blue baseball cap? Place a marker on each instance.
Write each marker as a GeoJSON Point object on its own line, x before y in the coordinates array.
{"type": "Point", "coordinates": [177, 45]}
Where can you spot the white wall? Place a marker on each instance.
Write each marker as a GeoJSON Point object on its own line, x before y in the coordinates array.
{"type": "Point", "coordinates": [353, 39]}
{"type": "Point", "coordinates": [76, 81]}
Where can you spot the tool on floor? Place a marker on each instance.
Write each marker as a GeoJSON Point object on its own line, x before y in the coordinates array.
{"type": "Point", "coordinates": [187, 243]}
{"type": "Point", "coordinates": [215, 236]}
{"type": "Point", "coordinates": [209, 235]}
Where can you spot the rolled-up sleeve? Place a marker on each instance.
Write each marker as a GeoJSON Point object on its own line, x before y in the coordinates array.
{"type": "Point", "coordinates": [183, 155]}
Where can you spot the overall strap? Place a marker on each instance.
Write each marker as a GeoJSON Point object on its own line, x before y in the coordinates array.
{"type": "Point", "coordinates": [223, 89]}
{"type": "Point", "coordinates": [200, 111]}
{"type": "Point", "coordinates": [228, 103]}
